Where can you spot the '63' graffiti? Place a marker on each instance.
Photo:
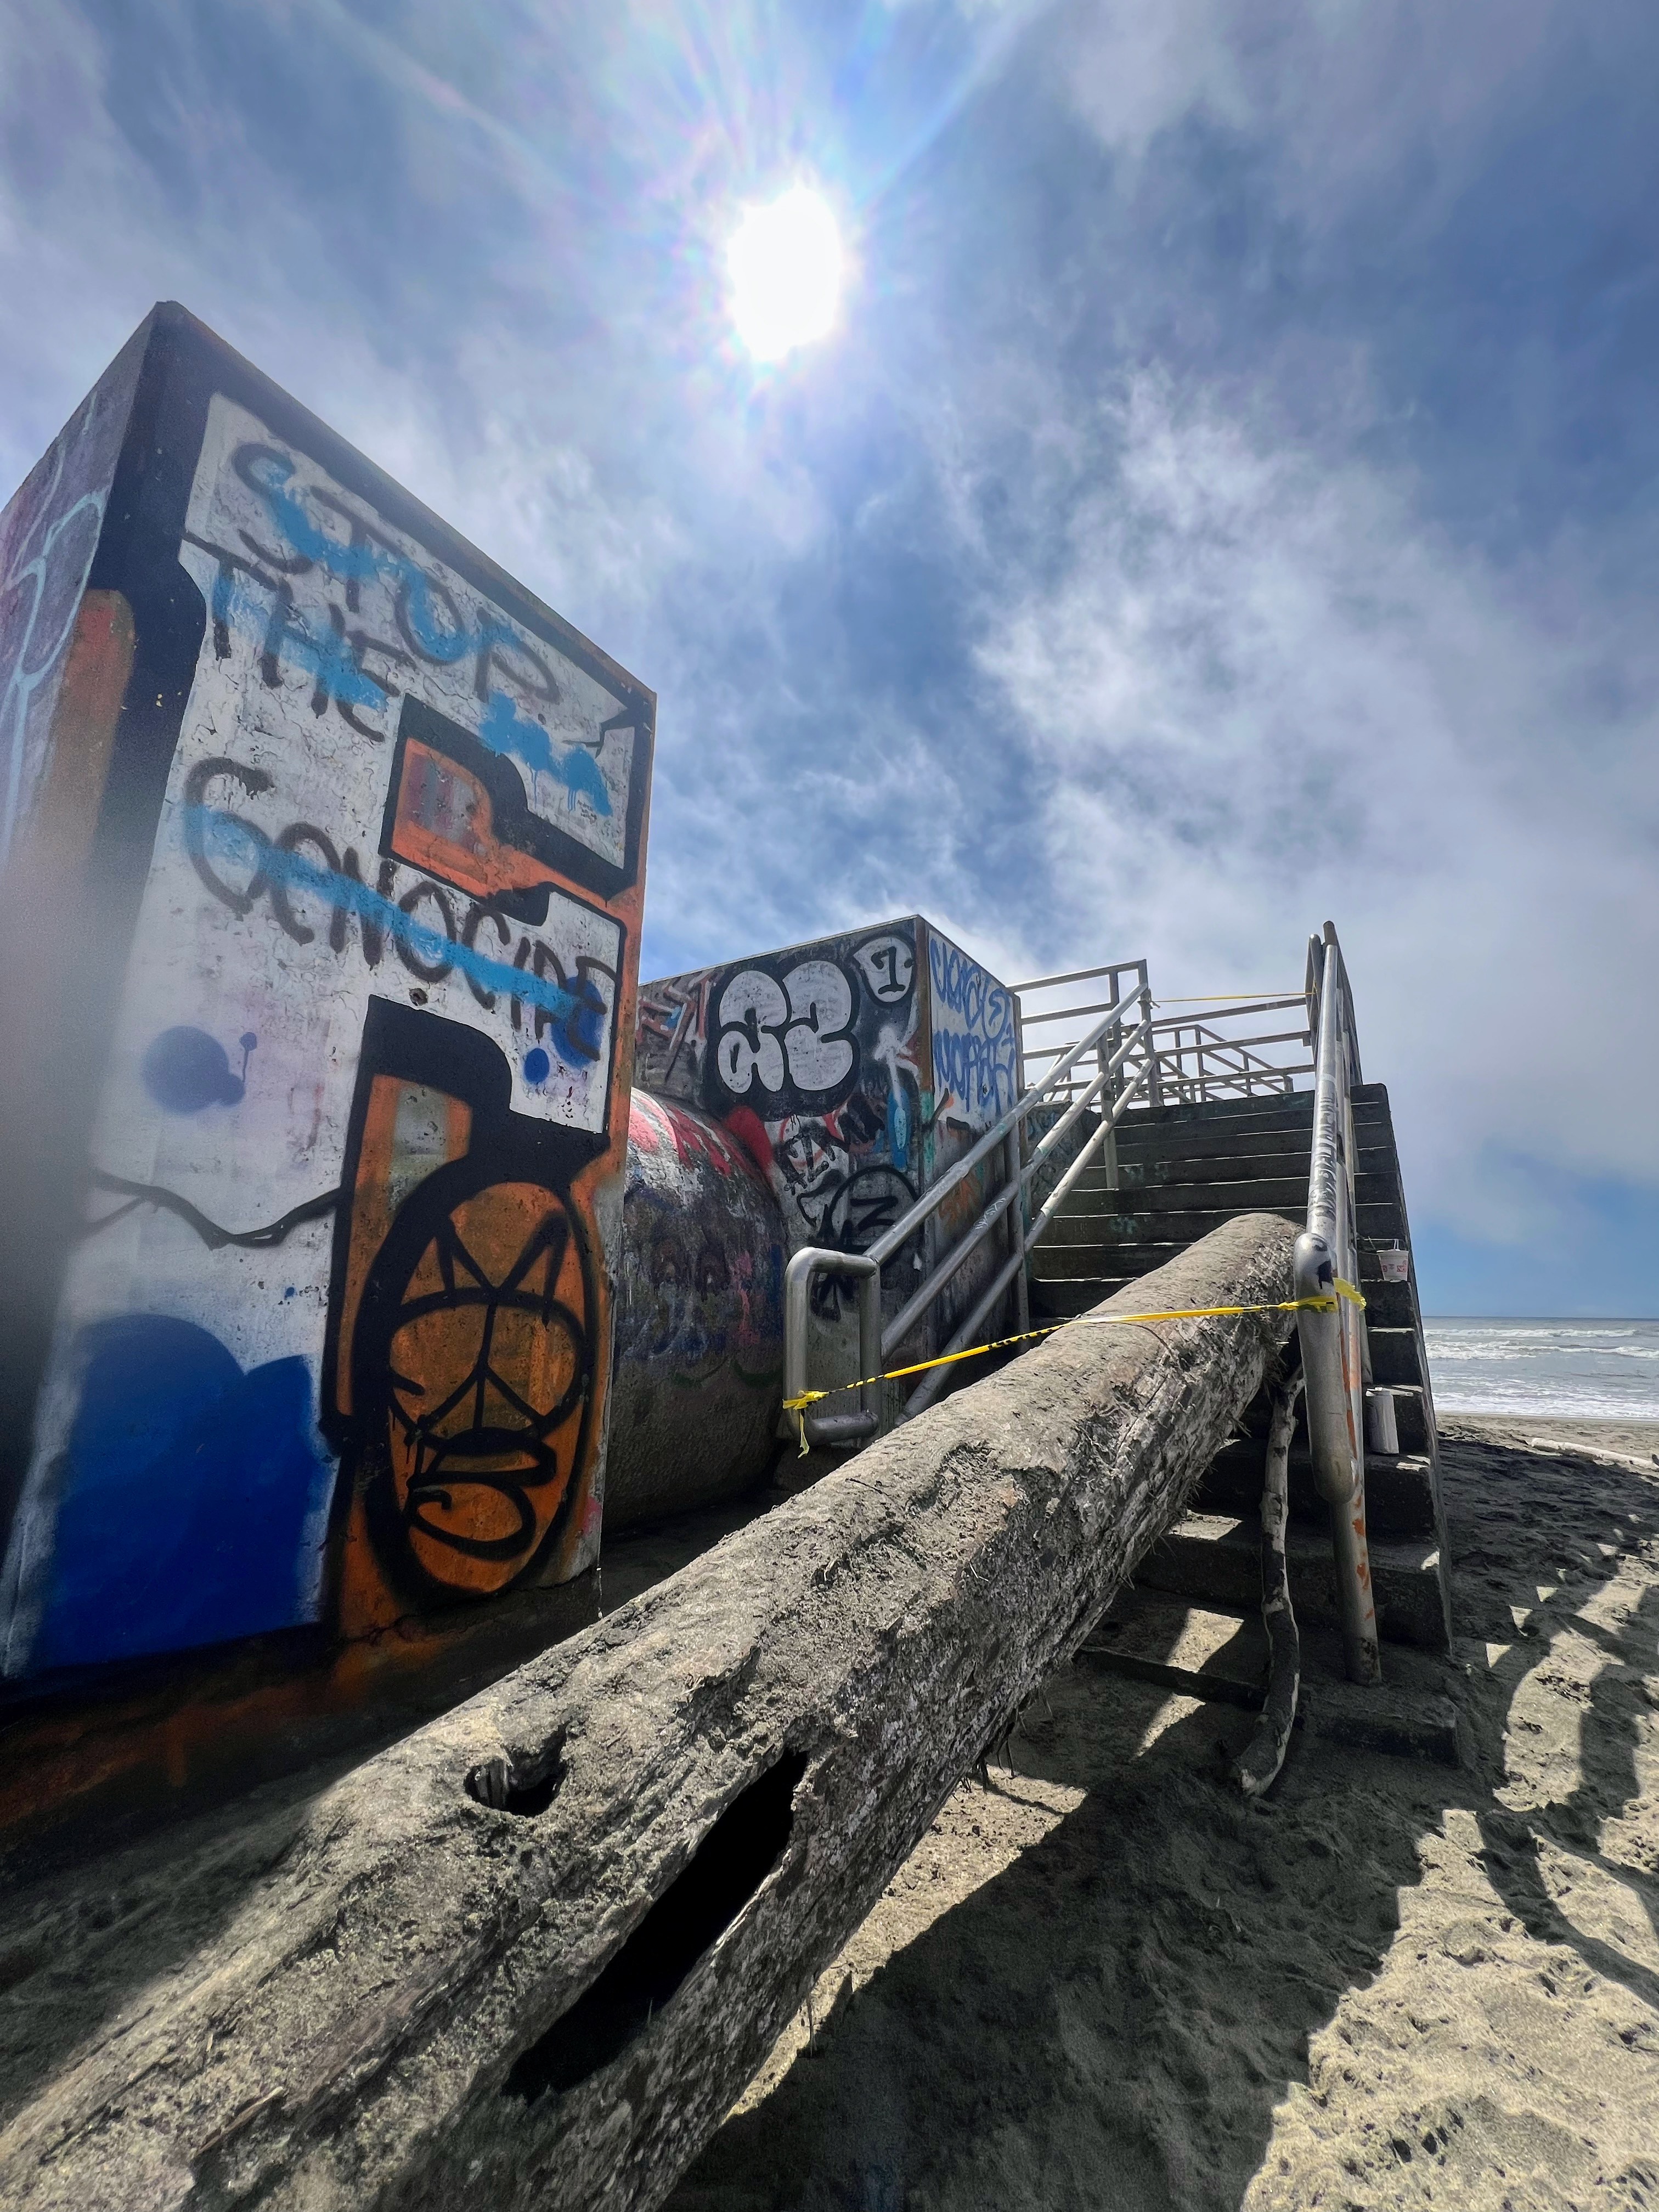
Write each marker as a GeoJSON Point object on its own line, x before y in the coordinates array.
{"type": "Point", "coordinates": [783, 1040]}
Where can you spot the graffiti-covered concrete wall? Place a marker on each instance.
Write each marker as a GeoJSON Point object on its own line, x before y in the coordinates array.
{"type": "Point", "coordinates": [327, 1332]}
{"type": "Point", "coordinates": [699, 1318]}
{"type": "Point", "coordinates": [854, 1072]}
{"type": "Point", "coordinates": [49, 534]}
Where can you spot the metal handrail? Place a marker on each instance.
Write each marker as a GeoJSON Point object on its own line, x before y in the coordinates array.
{"type": "Point", "coordinates": [931, 1384]}
{"type": "Point", "coordinates": [1036, 1097]}
{"type": "Point", "coordinates": [1152, 1058]}
{"type": "Point", "coordinates": [833, 1428]}
{"type": "Point", "coordinates": [1195, 1057]}
{"type": "Point", "coordinates": [903, 1322]}
{"type": "Point", "coordinates": [1333, 1345]}
{"type": "Point", "coordinates": [1003, 1134]}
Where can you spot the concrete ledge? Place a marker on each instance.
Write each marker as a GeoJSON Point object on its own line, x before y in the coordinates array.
{"type": "Point", "coordinates": [531, 1953]}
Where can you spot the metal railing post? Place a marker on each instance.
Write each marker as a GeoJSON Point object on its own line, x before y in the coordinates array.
{"type": "Point", "coordinates": [1155, 1075]}
{"type": "Point", "coordinates": [1016, 1140]}
{"type": "Point", "coordinates": [1012, 1167]}
{"type": "Point", "coordinates": [1109, 1096]}
{"type": "Point", "coordinates": [814, 1259]}
{"type": "Point", "coordinates": [1331, 1358]}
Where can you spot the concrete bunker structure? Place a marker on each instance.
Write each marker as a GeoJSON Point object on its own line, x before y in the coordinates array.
{"type": "Point", "coordinates": [356, 1278]}
{"type": "Point", "coordinates": [326, 841]}
{"type": "Point", "coordinates": [850, 1075]}
{"type": "Point", "coordinates": [350, 1282]}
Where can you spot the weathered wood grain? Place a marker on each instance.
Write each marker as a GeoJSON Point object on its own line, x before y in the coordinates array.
{"type": "Point", "coordinates": [405, 1996]}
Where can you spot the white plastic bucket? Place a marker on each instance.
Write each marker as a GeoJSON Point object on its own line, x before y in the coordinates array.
{"type": "Point", "coordinates": [1395, 1264]}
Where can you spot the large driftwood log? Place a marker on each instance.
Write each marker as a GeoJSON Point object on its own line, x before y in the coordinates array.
{"type": "Point", "coordinates": [531, 1953]}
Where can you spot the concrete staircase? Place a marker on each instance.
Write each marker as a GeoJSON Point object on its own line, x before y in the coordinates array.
{"type": "Point", "coordinates": [1182, 1170]}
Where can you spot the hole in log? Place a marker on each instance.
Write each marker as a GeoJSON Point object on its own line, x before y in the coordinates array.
{"type": "Point", "coordinates": [507, 1788]}
{"type": "Point", "coordinates": [729, 1865]}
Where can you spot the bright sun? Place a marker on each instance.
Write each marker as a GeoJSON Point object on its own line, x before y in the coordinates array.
{"type": "Point", "coordinates": [785, 263]}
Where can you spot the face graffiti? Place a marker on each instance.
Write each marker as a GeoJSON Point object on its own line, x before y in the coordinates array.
{"type": "Point", "coordinates": [462, 1363]}
{"type": "Point", "coordinates": [369, 1019]}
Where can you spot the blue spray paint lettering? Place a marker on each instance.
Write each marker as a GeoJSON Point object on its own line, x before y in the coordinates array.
{"type": "Point", "coordinates": [975, 1061]}
{"type": "Point", "coordinates": [504, 731]}
{"type": "Point", "coordinates": [328, 660]}
{"type": "Point", "coordinates": [366, 562]}
{"type": "Point", "coordinates": [578, 1017]}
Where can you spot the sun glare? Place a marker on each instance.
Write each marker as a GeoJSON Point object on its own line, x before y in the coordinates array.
{"type": "Point", "coordinates": [785, 263]}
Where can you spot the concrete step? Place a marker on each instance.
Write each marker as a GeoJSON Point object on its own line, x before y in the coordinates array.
{"type": "Point", "coordinates": [1250, 1195]}
{"type": "Point", "coordinates": [1213, 1143]}
{"type": "Point", "coordinates": [1063, 1260]}
{"type": "Point", "coordinates": [1059, 1301]}
{"type": "Point", "coordinates": [1412, 1420]}
{"type": "Point", "coordinates": [1374, 1143]}
{"type": "Point", "coordinates": [1370, 1111]}
{"type": "Point", "coordinates": [1400, 1499]}
{"type": "Point", "coordinates": [1187, 1226]}
{"type": "Point", "coordinates": [1270, 1180]}
{"type": "Point", "coordinates": [1216, 1560]}
{"type": "Point", "coordinates": [1221, 1657]}
{"type": "Point", "coordinates": [1280, 1112]}
{"type": "Point", "coordinates": [1169, 1192]}
{"type": "Point", "coordinates": [1069, 1231]}
{"type": "Point", "coordinates": [1397, 1353]}
{"type": "Point", "coordinates": [1388, 1305]}
{"type": "Point", "coordinates": [1144, 1136]}
{"type": "Point", "coordinates": [1155, 1170]}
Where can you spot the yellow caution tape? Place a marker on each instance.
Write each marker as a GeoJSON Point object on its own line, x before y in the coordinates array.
{"type": "Point", "coordinates": [1316, 1304]}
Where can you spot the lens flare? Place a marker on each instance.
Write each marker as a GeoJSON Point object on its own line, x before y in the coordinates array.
{"type": "Point", "coordinates": [785, 262]}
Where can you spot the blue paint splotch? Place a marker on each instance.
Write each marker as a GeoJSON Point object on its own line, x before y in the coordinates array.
{"type": "Point", "coordinates": [185, 1069]}
{"type": "Point", "coordinates": [189, 1493]}
{"type": "Point", "coordinates": [509, 734]}
{"type": "Point", "coordinates": [537, 1066]}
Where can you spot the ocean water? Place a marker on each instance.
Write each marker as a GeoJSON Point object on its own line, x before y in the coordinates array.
{"type": "Point", "coordinates": [1590, 1370]}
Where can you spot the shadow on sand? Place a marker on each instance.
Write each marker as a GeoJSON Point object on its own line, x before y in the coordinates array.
{"type": "Point", "coordinates": [1115, 2018]}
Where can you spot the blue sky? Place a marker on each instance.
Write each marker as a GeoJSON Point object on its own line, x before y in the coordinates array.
{"type": "Point", "coordinates": [1227, 501]}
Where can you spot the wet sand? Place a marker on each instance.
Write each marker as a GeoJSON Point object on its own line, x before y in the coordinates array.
{"type": "Point", "coordinates": [1101, 1982]}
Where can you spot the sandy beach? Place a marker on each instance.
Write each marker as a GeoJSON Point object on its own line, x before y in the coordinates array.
{"type": "Point", "coordinates": [1101, 1982]}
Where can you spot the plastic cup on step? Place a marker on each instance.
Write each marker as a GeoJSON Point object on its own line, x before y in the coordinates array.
{"type": "Point", "coordinates": [1395, 1264]}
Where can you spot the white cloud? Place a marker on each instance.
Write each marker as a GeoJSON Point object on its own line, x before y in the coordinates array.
{"type": "Point", "coordinates": [1261, 690]}
{"type": "Point", "coordinates": [1341, 91]}
{"type": "Point", "coordinates": [1246, 682]}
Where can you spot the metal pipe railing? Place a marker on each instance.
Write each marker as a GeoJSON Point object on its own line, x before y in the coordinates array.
{"type": "Point", "coordinates": [885, 1245]}
{"type": "Point", "coordinates": [1333, 1342]}
{"type": "Point", "coordinates": [852, 1428]}
{"type": "Point", "coordinates": [1140, 1055]}
{"type": "Point", "coordinates": [815, 1260]}
{"type": "Point", "coordinates": [1037, 1096]}
{"type": "Point", "coordinates": [931, 1384]}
